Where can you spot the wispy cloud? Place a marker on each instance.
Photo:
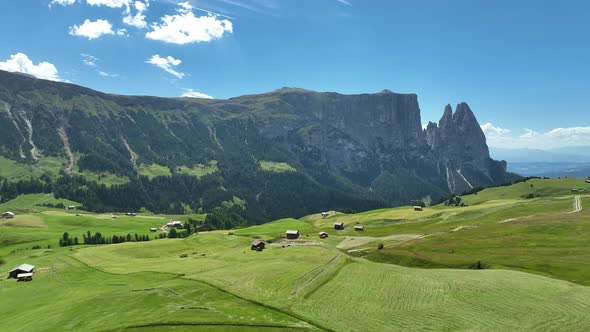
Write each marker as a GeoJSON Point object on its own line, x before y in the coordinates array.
{"type": "Point", "coordinates": [105, 74]}
{"type": "Point", "coordinates": [344, 2]}
{"type": "Point", "coordinates": [62, 2]}
{"type": "Point", "coordinates": [533, 139]}
{"type": "Point", "coordinates": [167, 64]}
{"type": "Point", "coordinates": [190, 93]}
{"type": "Point", "coordinates": [89, 60]}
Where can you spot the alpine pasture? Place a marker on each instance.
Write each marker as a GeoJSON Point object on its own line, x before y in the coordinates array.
{"type": "Point", "coordinates": [515, 258]}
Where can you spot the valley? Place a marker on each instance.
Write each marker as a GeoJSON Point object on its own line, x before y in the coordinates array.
{"type": "Point", "coordinates": [502, 262]}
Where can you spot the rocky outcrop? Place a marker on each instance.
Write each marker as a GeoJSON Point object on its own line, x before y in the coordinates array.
{"type": "Point", "coordinates": [459, 146]}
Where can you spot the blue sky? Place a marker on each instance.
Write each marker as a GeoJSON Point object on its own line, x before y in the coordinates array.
{"type": "Point", "coordinates": [523, 66]}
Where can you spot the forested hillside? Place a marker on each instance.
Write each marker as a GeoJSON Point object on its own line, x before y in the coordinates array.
{"type": "Point", "coordinates": [285, 153]}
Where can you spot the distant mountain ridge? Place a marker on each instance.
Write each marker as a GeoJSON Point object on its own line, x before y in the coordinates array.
{"type": "Point", "coordinates": [574, 154]}
{"type": "Point", "coordinates": [284, 153]}
{"type": "Point", "coordinates": [571, 161]}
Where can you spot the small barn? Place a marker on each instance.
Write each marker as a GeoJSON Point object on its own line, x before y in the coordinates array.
{"type": "Point", "coordinates": [338, 225]}
{"type": "Point", "coordinates": [323, 235]}
{"type": "Point", "coordinates": [587, 181]}
{"type": "Point", "coordinates": [292, 234]}
{"type": "Point", "coordinates": [574, 190]}
{"type": "Point", "coordinates": [131, 214]}
{"type": "Point", "coordinates": [8, 215]}
{"type": "Point", "coordinates": [418, 208]}
{"type": "Point", "coordinates": [23, 268]}
{"type": "Point", "coordinates": [359, 228]}
{"type": "Point", "coordinates": [174, 224]}
{"type": "Point", "coordinates": [24, 277]}
{"type": "Point", "coordinates": [70, 207]}
{"type": "Point", "coordinates": [153, 229]}
{"type": "Point", "coordinates": [258, 245]}
{"type": "Point", "coordinates": [325, 214]}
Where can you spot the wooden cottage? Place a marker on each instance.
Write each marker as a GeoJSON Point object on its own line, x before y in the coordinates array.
{"type": "Point", "coordinates": [174, 224]}
{"type": "Point", "coordinates": [292, 234]}
{"type": "Point", "coordinates": [8, 215]}
{"type": "Point", "coordinates": [24, 277]}
{"type": "Point", "coordinates": [359, 228]}
{"type": "Point", "coordinates": [23, 268]}
{"type": "Point", "coordinates": [338, 225]}
{"type": "Point", "coordinates": [418, 208]}
{"type": "Point", "coordinates": [323, 235]}
{"type": "Point", "coordinates": [258, 245]}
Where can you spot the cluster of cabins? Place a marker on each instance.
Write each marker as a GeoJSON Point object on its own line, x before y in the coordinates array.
{"type": "Point", "coordinates": [294, 234]}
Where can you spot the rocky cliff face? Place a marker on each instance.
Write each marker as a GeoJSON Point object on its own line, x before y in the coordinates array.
{"type": "Point", "coordinates": [369, 146]}
{"type": "Point", "coordinates": [459, 146]}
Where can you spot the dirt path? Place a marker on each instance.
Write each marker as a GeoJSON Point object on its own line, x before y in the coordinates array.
{"type": "Point", "coordinates": [577, 204]}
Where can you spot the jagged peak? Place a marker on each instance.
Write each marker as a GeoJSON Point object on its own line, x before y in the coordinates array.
{"type": "Point", "coordinates": [464, 114]}
{"type": "Point", "coordinates": [462, 108]}
{"type": "Point", "coordinates": [431, 126]}
{"type": "Point", "coordinates": [447, 116]}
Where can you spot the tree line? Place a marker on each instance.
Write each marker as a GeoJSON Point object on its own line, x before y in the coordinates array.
{"type": "Point", "coordinates": [98, 238]}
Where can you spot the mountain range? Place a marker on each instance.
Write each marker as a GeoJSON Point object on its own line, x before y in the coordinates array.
{"type": "Point", "coordinates": [284, 153]}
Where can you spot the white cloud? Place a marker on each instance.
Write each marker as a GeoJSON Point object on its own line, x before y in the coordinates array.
{"type": "Point", "coordinates": [533, 139]}
{"type": "Point", "coordinates": [92, 30]}
{"type": "Point", "coordinates": [137, 20]}
{"type": "Point", "coordinates": [344, 2]}
{"type": "Point", "coordinates": [21, 63]}
{"type": "Point", "coordinates": [109, 3]}
{"type": "Point", "coordinates": [89, 60]}
{"type": "Point", "coordinates": [62, 2]}
{"type": "Point", "coordinates": [190, 93]}
{"type": "Point", "coordinates": [105, 74]}
{"type": "Point", "coordinates": [185, 27]}
{"type": "Point", "coordinates": [424, 125]}
{"type": "Point", "coordinates": [490, 129]}
{"type": "Point", "coordinates": [121, 32]}
{"type": "Point", "coordinates": [167, 64]}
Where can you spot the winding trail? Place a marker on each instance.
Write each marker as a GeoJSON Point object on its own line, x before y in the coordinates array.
{"type": "Point", "coordinates": [577, 204]}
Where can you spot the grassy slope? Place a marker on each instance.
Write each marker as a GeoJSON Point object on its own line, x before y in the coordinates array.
{"type": "Point", "coordinates": [320, 281]}
{"type": "Point", "coordinates": [366, 296]}
{"type": "Point", "coordinates": [36, 225]}
{"type": "Point", "coordinates": [51, 166]}
{"type": "Point", "coordinates": [153, 170]}
{"type": "Point", "coordinates": [271, 166]}
{"type": "Point", "coordinates": [67, 295]}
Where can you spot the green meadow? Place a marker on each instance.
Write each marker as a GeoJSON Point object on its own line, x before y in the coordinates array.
{"type": "Point", "coordinates": [515, 258]}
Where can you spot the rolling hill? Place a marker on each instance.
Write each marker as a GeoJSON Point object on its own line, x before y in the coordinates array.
{"type": "Point", "coordinates": [513, 258]}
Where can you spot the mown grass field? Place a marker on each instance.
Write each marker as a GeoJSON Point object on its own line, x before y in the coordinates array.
{"type": "Point", "coordinates": [407, 271]}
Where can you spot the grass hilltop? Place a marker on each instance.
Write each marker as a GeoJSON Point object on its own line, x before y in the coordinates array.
{"type": "Point", "coordinates": [514, 258]}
